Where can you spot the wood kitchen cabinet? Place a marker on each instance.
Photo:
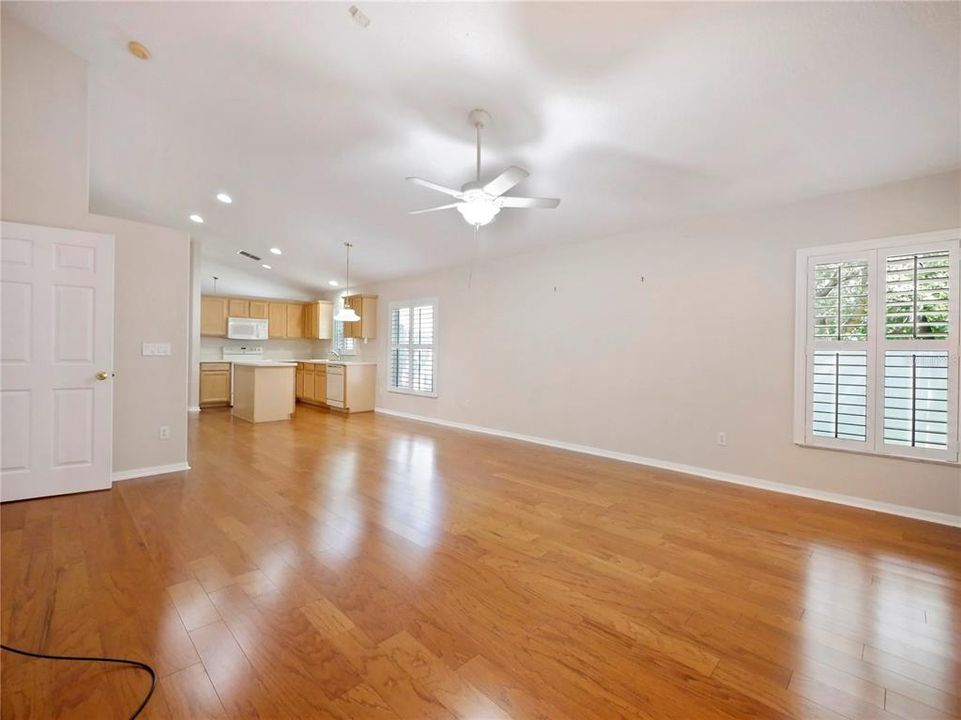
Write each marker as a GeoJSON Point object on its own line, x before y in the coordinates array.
{"type": "Point", "coordinates": [213, 316]}
{"type": "Point", "coordinates": [259, 309]}
{"type": "Point", "coordinates": [320, 384]}
{"type": "Point", "coordinates": [214, 384]}
{"type": "Point", "coordinates": [284, 319]}
{"type": "Point", "coordinates": [295, 320]}
{"type": "Point", "coordinates": [238, 307]}
{"type": "Point", "coordinates": [319, 320]}
{"type": "Point", "coordinates": [366, 307]}
{"type": "Point", "coordinates": [311, 383]}
{"type": "Point", "coordinates": [277, 320]}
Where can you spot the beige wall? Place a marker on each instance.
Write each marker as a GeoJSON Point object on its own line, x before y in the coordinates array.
{"type": "Point", "coordinates": [44, 182]}
{"type": "Point", "coordinates": [652, 342]}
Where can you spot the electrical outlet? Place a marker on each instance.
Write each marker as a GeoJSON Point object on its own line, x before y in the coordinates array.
{"type": "Point", "coordinates": [164, 432]}
{"type": "Point", "coordinates": [722, 439]}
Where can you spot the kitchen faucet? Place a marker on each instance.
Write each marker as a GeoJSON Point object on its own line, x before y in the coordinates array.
{"type": "Point", "coordinates": [333, 355]}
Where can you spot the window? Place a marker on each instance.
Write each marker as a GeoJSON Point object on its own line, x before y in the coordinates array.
{"type": "Point", "coordinates": [878, 346]}
{"type": "Point", "coordinates": [343, 345]}
{"type": "Point", "coordinates": [412, 351]}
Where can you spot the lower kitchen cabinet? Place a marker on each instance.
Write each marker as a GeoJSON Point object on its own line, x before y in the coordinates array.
{"type": "Point", "coordinates": [311, 383]}
{"type": "Point", "coordinates": [214, 384]}
{"type": "Point", "coordinates": [354, 391]}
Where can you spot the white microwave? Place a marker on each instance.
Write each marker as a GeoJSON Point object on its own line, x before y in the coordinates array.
{"type": "Point", "coordinates": [246, 329]}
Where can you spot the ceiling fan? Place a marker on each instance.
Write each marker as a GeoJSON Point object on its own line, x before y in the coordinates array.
{"type": "Point", "coordinates": [478, 203]}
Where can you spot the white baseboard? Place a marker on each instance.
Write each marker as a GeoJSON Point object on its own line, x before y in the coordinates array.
{"type": "Point", "coordinates": [148, 471]}
{"type": "Point", "coordinates": [194, 409]}
{"type": "Point", "coordinates": [837, 498]}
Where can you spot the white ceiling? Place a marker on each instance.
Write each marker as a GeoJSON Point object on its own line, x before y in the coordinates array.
{"type": "Point", "coordinates": [633, 113]}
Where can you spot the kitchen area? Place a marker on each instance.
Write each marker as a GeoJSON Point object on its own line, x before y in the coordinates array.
{"type": "Point", "coordinates": [262, 356]}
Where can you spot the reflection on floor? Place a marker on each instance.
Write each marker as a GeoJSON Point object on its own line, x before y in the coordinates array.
{"type": "Point", "coordinates": [372, 567]}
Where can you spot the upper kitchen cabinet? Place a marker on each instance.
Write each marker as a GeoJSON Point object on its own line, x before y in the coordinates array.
{"type": "Point", "coordinates": [319, 320]}
{"type": "Point", "coordinates": [238, 307]}
{"type": "Point", "coordinates": [284, 319]}
{"type": "Point", "coordinates": [258, 309]}
{"type": "Point", "coordinates": [277, 320]}
{"type": "Point", "coordinates": [213, 316]}
{"type": "Point", "coordinates": [295, 320]}
{"type": "Point", "coordinates": [366, 307]}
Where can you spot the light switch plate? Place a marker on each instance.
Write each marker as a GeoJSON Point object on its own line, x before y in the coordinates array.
{"type": "Point", "coordinates": [154, 349]}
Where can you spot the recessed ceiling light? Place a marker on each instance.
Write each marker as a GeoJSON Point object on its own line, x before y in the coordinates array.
{"type": "Point", "coordinates": [138, 50]}
{"type": "Point", "coordinates": [265, 266]}
{"type": "Point", "coordinates": [276, 251]}
{"type": "Point", "coordinates": [359, 17]}
{"type": "Point", "coordinates": [225, 198]}
{"type": "Point", "coordinates": [333, 283]}
{"type": "Point", "coordinates": [196, 218]}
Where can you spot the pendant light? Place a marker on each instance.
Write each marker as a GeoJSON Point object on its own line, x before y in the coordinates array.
{"type": "Point", "coordinates": [346, 314]}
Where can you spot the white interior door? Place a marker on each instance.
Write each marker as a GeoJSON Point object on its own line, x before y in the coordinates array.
{"type": "Point", "coordinates": [56, 361]}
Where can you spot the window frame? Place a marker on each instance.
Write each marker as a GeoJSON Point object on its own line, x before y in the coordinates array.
{"type": "Point", "coordinates": [399, 304]}
{"type": "Point", "coordinates": [875, 252]}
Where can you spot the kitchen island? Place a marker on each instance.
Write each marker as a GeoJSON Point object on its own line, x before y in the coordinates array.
{"type": "Point", "coordinates": [263, 390]}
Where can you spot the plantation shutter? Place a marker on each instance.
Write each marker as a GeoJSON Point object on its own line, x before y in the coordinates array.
{"type": "Point", "coordinates": [919, 349]}
{"type": "Point", "coordinates": [412, 353]}
{"type": "Point", "coordinates": [838, 354]}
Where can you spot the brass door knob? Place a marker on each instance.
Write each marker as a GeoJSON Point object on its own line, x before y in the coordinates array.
{"type": "Point", "coordinates": [103, 375]}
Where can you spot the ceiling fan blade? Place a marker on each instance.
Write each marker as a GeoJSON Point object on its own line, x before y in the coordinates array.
{"type": "Point", "coordinates": [526, 202]}
{"type": "Point", "coordinates": [426, 210]}
{"type": "Point", "coordinates": [505, 181]}
{"type": "Point", "coordinates": [439, 188]}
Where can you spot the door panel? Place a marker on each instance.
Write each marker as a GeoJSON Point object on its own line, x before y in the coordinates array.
{"type": "Point", "coordinates": [15, 320]}
{"type": "Point", "coordinates": [213, 316]}
{"type": "Point", "coordinates": [15, 438]}
{"type": "Point", "coordinates": [73, 324]}
{"type": "Point", "coordinates": [277, 322]}
{"type": "Point", "coordinates": [57, 337]}
{"type": "Point", "coordinates": [258, 309]}
{"type": "Point", "coordinates": [73, 426]}
{"type": "Point", "coordinates": [214, 388]}
{"type": "Point", "coordinates": [238, 308]}
{"type": "Point", "coordinates": [295, 321]}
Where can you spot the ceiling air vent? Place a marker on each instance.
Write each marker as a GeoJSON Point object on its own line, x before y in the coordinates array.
{"type": "Point", "coordinates": [247, 255]}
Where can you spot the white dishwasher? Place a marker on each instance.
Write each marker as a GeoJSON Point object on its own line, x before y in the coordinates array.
{"type": "Point", "coordinates": [336, 378]}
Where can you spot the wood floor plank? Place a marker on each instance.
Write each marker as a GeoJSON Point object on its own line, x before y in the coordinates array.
{"type": "Point", "coordinates": [374, 567]}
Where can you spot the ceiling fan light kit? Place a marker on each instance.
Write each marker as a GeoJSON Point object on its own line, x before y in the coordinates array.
{"type": "Point", "coordinates": [478, 203]}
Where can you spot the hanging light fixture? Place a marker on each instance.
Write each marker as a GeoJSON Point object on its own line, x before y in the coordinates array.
{"type": "Point", "coordinates": [346, 314]}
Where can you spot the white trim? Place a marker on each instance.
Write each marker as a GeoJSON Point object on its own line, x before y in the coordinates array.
{"type": "Point", "coordinates": [148, 471]}
{"type": "Point", "coordinates": [857, 246]}
{"type": "Point", "coordinates": [810, 493]}
{"type": "Point", "coordinates": [193, 409]}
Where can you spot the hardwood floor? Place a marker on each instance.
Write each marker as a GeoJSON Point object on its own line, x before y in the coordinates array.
{"type": "Point", "coordinates": [373, 567]}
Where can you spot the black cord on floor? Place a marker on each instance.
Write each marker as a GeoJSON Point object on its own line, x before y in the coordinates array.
{"type": "Point", "coordinates": [134, 663]}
